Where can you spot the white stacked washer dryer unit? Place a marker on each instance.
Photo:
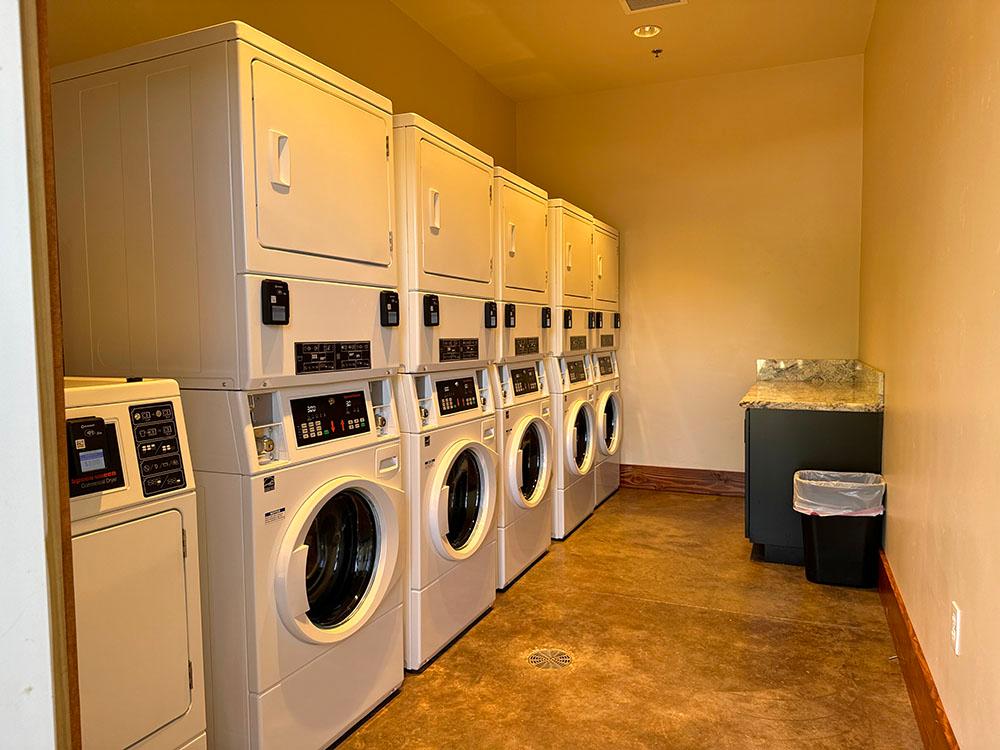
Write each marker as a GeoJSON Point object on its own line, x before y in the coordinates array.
{"type": "Point", "coordinates": [303, 507]}
{"type": "Point", "coordinates": [524, 513]}
{"type": "Point", "coordinates": [445, 231]}
{"type": "Point", "coordinates": [226, 215]}
{"type": "Point", "coordinates": [135, 566]}
{"type": "Point", "coordinates": [605, 359]}
{"type": "Point", "coordinates": [608, 411]}
{"type": "Point", "coordinates": [575, 441]}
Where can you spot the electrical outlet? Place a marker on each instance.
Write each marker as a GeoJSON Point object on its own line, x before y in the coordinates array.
{"type": "Point", "coordinates": [956, 629]}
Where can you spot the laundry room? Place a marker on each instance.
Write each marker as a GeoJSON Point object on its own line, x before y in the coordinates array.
{"type": "Point", "coordinates": [500, 374]}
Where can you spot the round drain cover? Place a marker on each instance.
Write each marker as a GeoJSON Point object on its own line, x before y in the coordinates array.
{"type": "Point", "coordinates": [549, 658]}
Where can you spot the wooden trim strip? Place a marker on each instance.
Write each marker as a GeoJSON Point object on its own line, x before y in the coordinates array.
{"type": "Point", "coordinates": [932, 721]}
{"type": "Point", "coordinates": [669, 479]}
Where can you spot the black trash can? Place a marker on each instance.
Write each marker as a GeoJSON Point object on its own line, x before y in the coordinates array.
{"type": "Point", "coordinates": [841, 526]}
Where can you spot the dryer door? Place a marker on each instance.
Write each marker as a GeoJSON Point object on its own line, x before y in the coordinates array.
{"type": "Point", "coordinates": [338, 559]}
{"type": "Point", "coordinates": [463, 498]}
{"type": "Point", "coordinates": [528, 461]}
{"type": "Point", "coordinates": [609, 422]}
{"type": "Point", "coordinates": [580, 444]}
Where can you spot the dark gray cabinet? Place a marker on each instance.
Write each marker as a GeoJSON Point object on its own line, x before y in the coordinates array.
{"type": "Point", "coordinates": [779, 442]}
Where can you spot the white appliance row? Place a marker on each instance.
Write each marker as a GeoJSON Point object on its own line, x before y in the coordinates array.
{"type": "Point", "coordinates": [397, 362]}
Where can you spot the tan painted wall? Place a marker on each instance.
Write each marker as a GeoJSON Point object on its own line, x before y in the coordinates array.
{"type": "Point", "coordinates": [739, 200]}
{"type": "Point", "coordinates": [930, 317]}
{"type": "Point", "coordinates": [371, 41]}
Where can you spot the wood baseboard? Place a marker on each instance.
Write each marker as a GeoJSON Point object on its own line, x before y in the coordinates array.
{"type": "Point", "coordinates": [669, 479]}
{"type": "Point", "coordinates": [935, 729]}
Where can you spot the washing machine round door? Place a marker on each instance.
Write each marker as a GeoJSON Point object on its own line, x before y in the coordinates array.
{"type": "Point", "coordinates": [463, 498]}
{"type": "Point", "coordinates": [580, 437]}
{"type": "Point", "coordinates": [338, 558]}
{"type": "Point", "coordinates": [528, 461]}
{"type": "Point", "coordinates": [609, 422]}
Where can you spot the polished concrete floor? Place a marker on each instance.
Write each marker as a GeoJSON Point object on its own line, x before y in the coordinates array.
{"type": "Point", "coordinates": [678, 640]}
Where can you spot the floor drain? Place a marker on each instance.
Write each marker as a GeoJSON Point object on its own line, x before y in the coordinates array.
{"type": "Point", "coordinates": [549, 658]}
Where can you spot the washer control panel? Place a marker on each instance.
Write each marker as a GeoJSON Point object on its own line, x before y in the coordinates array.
{"type": "Point", "coordinates": [605, 366]}
{"type": "Point", "coordinates": [157, 448]}
{"type": "Point", "coordinates": [576, 370]}
{"type": "Point", "coordinates": [524, 380]}
{"type": "Point", "coordinates": [456, 394]}
{"type": "Point", "coordinates": [318, 419]}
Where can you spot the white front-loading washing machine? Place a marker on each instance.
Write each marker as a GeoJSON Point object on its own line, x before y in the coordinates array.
{"type": "Point", "coordinates": [445, 231]}
{"type": "Point", "coordinates": [304, 546]}
{"type": "Point", "coordinates": [135, 566]}
{"type": "Point", "coordinates": [574, 423]}
{"type": "Point", "coordinates": [449, 453]}
{"type": "Point", "coordinates": [524, 427]}
{"type": "Point", "coordinates": [225, 209]}
{"type": "Point", "coordinates": [608, 408]}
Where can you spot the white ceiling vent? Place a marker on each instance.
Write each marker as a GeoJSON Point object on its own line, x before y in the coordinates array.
{"type": "Point", "coordinates": [637, 6]}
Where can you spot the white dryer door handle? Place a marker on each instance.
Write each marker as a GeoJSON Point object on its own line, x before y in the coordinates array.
{"type": "Point", "coordinates": [295, 588]}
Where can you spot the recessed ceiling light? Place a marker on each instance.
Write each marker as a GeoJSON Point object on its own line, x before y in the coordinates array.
{"type": "Point", "coordinates": [644, 32]}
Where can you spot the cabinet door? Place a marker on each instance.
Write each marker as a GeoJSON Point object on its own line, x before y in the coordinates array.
{"type": "Point", "coordinates": [132, 629]}
{"type": "Point", "coordinates": [322, 169]}
{"type": "Point", "coordinates": [577, 260]}
{"type": "Point", "coordinates": [454, 213]}
{"type": "Point", "coordinates": [605, 266]}
{"type": "Point", "coordinates": [523, 239]}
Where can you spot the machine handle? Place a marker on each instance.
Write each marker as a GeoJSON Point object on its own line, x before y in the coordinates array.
{"type": "Point", "coordinates": [297, 600]}
{"type": "Point", "coordinates": [569, 256]}
{"type": "Point", "coordinates": [280, 159]}
{"type": "Point", "coordinates": [435, 210]}
{"type": "Point", "coordinates": [600, 266]}
{"type": "Point", "coordinates": [512, 249]}
{"type": "Point", "coordinates": [519, 470]}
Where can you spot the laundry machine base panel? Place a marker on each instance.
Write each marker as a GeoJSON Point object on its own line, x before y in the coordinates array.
{"type": "Point", "coordinates": [320, 702]}
{"type": "Point", "coordinates": [572, 506]}
{"type": "Point", "coordinates": [523, 541]}
{"type": "Point", "coordinates": [608, 478]}
{"type": "Point", "coordinates": [439, 612]}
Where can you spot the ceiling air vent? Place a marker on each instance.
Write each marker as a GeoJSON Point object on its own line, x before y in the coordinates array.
{"type": "Point", "coordinates": [635, 6]}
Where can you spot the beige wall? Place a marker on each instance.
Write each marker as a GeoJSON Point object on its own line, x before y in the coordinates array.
{"type": "Point", "coordinates": [371, 41]}
{"type": "Point", "coordinates": [930, 317]}
{"type": "Point", "coordinates": [739, 200]}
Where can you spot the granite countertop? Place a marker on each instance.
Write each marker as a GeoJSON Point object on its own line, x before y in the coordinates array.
{"type": "Point", "coordinates": [816, 385]}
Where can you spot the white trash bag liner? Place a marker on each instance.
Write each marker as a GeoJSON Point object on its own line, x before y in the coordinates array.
{"type": "Point", "coordinates": [838, 493]}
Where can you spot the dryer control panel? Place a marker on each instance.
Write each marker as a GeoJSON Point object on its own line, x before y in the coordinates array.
{"type": "Point", "coordinates": [157, 448]}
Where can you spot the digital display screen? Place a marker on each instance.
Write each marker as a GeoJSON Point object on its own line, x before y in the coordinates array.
{"type": "Point", "coordinates": [525, 380]}
{"type": "Point", "coordinates": [318, 419]}
{"type": "Point", "coordinates": [92, 460]}
{"type": "Point", "coordinates": [458, 394]}
{"type": "Point", "coordinates": [576, 370]}
{"type": "Point", "coordinates": [605, 366]}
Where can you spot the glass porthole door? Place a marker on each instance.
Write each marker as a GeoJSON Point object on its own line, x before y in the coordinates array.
{"type": "Point", "coordinates": [580, 437]}
{"type": "Point", "coordinates": [609, 419]}
{"type": "Point", "coordinates": [528, 467]}
{"type": "Point", "coordinates": [462, 494]}
{"type": "Point", "coordinates": [337, 559]}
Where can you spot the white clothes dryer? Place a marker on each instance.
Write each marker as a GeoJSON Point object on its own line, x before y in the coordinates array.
{"type": "Point", "coordinates": [135, 565]}
{"type": "Point", "coordinates": [304, 546]}
{"type": "Point", "coordinates": [571, 262]}
{"type": "Point", "coordinates": [606, 291]}
{"type": "Point", "coordinates": [524, 426]}
{"type": "Point", "coordinates": [445, 231]}
{"type": "Point", "coordinates": [608, 409]}
{"type": "Point", "coordinates": [575, 426]}
{"type": "Point", "coordinates": [449, 452]}
{"type": "Point", "coordinates": [225, 209]}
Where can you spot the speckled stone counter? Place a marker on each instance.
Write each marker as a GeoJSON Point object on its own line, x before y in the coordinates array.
{"type": "Point", "coordinates": [816, 385]}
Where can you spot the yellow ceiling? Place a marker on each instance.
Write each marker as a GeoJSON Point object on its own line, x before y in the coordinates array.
{"type": "Point", "coordinates": [530, 49]}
